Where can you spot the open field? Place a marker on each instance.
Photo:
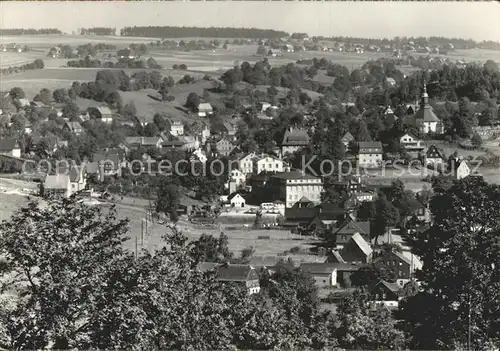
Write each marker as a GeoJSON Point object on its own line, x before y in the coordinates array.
{"type": "Point", "coordinates": [148, 107]}
{"type": "Point", "coordinates": [13, 59]}
{"type": "Point", "coordinates": [48, 41]}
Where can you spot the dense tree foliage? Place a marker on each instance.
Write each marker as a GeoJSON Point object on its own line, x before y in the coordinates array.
{"type": "Point", "coordinates": [98, 31]}
{"type": "Point", "coordinates": [29, 31]}
{"type": "Point", "coordinates": [197, 32]}
{"type": "Point", "coordinates": [37, 64]}
{"type": "Point", "coordinates": [460, 277]}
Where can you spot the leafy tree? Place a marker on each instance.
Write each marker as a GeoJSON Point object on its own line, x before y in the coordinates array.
{"type": "Point", "coordinates": [151, 130]}
{"type": "Point", "coordinates": [60, 95]}
{"type": "Point", "coordinates": [261, 50]}
{"type": "Point", "coordinates": [359, 328]}
{"type": "Point", "coordinates": [16, 93]}
{"type": "Point", "coordinates": [168, 197]}
{"type": "Point", "coordinates": [192, 102]}
{"type": "Point", "coordinates": [461, 256]}
{"type": "Point", "coordinates": [129, 111]}
{"type": "Point", "coordinates": [44, 96]}
{"type": "Point", "coordinates": [386, 216]}
{"type": "Point", "coordinates": [160, 121]}
{"type": "Point", "coordinates": [211, 249]}
{"type": "Point", "coordinates": [59, 305]}
{"type": "Point", "coordinates": [476, 140]}
{"type": "Point", "coordinates": [71, 110]}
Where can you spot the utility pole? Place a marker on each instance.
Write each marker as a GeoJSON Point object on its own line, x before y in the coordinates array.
{"type": "Point", "coordinates": [469, 332]}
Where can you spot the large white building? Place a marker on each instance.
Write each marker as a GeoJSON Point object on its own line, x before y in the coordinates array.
{"type": "Point", "coordinates": [370, 154]}
{"type": "Point", "coordinates": [290, 187]}
{"type": "Point", "coordinates": [267, 163]}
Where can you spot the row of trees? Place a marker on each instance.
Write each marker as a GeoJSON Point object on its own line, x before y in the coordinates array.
{"type": "Point", "coordinates": [87, 62]}
{"type": "Point", "coordinates": [198, 32]}
{"type": "Point", "coordinates": [37, 64]}
{"type": "Point", "coordinates": [98, 31]}
{"type": "Point", "coordinates": [29, 31]}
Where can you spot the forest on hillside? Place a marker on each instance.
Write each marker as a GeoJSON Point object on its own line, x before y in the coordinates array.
{"type": "Point", "coordinates": [189, 32]}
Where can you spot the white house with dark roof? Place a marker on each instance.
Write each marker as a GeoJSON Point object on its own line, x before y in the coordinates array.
{"type": "Point", "coordinates": [102, 113]}
{"type": "Point", "coordinates": [411, 143]}
{"type": "Point", "coordinates": [267, 163]}
{"type": "Point", "coordinates": [242, 274]}
{"type": "Point", "coordinates": [58, 185]}
{"type": "Point", "coordinates": [347, 139]}
{"type": "Point", "coordinates": [434, 156]}
{"type": "Point", "coordinates": [176, 127]}
{"type": "Point", "coordinates": [370, 154]}
{"type": "Point", "coordinates": [290, 187]}
{"type": "Point", "coordinates": [236, 200]}
{"type": "Point", "coordinates": [10, 147]}
{"type": "Point", "coordinates": [205, 109]}
{"type": "Point", "coordinates": [294, 139]}
{"type": "Point", "coordinates": [73, 127]}
{"type": "Point", "coordinates": [146, 142]}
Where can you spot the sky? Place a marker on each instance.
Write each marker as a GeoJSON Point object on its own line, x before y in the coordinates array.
{"type": "Point", "coordinates": [475, 20]}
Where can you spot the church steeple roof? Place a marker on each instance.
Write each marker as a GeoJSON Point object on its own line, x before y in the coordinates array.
{"type": "Point", "coordinates": [426, 113]}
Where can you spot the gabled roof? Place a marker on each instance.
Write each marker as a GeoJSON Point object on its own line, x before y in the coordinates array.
{"type": "Point", "coordinates": [266, 261]}
{"type": "Point", "coordinates": [433, 148]}
{"type": "Point", "coordinates": [348, 137]}
{"type": "Point", "coordinates": [236, 272]}
{"type": "Point", "coordinates": [426, 114]}
{"type": "Point", "coordinates": [293, 175]}
{"type": "Point", "coordinates": [394, 287]}
{"type": "Point", "coordinates": [350, 226]}
{"type": "Point", "coordinates": [362, 244]}
{"type": "Point", "coordinates": [73, 126]}
{"type": "Point", "coordinates": [103, 110]}
{"type": "Point", "coordinates": [326, 268]}
{"type": "Point", "coordinates": [337, 256]}
{"type": "Point", "coordinates": [410, 258]}
{"type": "Point", "coordinates": [205, 106]}
{"type": "Point", "coordinates": [8, 144]}
{"type": "Point", "coordinates": [146, 141]}
{"type": "Point", "coordinates": [370, 145]}
{"type": "Point", "coordinates": [233, 195]}
{"type": "Point", "coordinates": [295, 137]}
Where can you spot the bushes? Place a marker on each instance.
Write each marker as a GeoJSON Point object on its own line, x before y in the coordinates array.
{"type": "Point", "coordinates": [37, 64]}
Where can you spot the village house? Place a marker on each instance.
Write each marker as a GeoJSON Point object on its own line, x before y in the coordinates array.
{"type": "Point", "coordinates": [223, 146]}
{"type": "Point", "coordinates": [458, 168]}
{"type": "Point", "coordinates": [198, 155]}
{"type": "Point", "coordinates": [236, 180]}
{"type": "Point", "coordinates": [347, 140]}
{"type": "Point", "coordinates": [293, 140]}
{"type": "Point", "coordinates": [110, 163]}
{"type": "Point", "coordinates": [64, 183]}
{"type": "Point", "coordinates": [245, 164]}
{"type": "Point", "coordinates": [411, 143]}
{"type": "Point", "coordinates": [201, 130]}
{"type": "Point", "coordinates": [102, 113]}
{"type": "Point", "coordinates": [236, 200]}
{"type": "Point", "coordinates": [402, 264]}
{"type": "Point", "coordinates": [176, 127]}
{"type": "Point", "coordinates": [173, 145]}
{"type": "Point", "coordinates": [387, 294]}
{"type": "Point", "coordinates": [434, 156]}
{"type": "Point", "coordinates": [73, 127]}
{"type": "Point", "coordinates": [191, 143]}
{"type": "Point", "coordinates": [10, 147]}
{"type": "Point", "coordinates": [275, 53]}
{"type": "Point", "coordinates": [46, 145]}
{"type": "Point", "coordinates": [145, 142]}
{"type": "Point", "coordinates": [267, 163]}
{"type": "Point", "coordinates": [229, 130]}
{"type": "Point", "coordinates": [346, 230]}
{"type": "Point", "coordinates": [263, 106]}
{"type": "Point", "coordinates": [357, 250]}
{"type": "Point", "coordinates": [205, 109]}
{"type": "Point", "coordinates": [370, 154]}
{"type": "Point", "coordinates": [289, 187]}
{"type": "Point", "coordinates": [349, 184]}
{"type": "Point", "coordinates": [324, 274]}
{"type": "Point", "coordinates": [241, 274]}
